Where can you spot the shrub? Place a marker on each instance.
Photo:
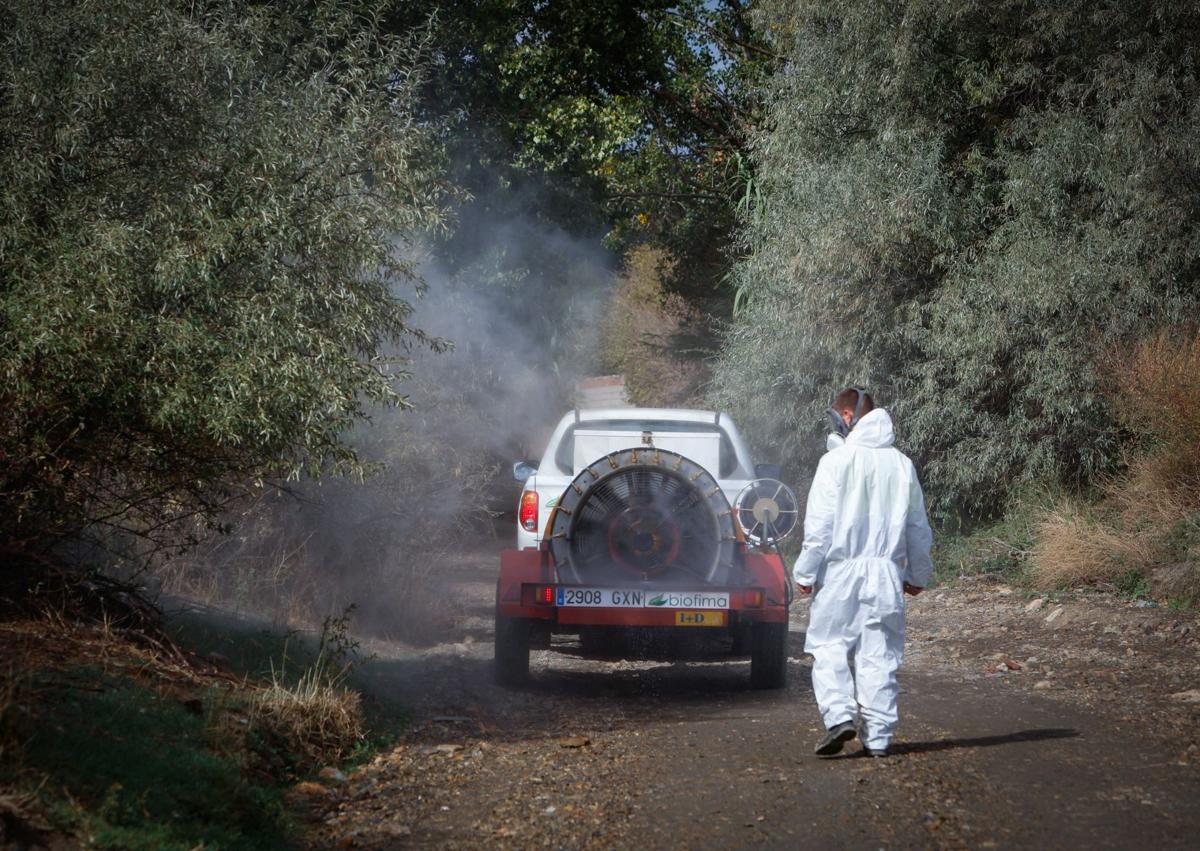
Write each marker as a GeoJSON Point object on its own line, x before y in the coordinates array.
{"type": "Point", "coordinates": [518, 299]}
{"type": "Point", "coordinates": [1001, 550]}
{"type": "Point", "coordinates": [207, 210]}
{"type": "Point", "coordinates": [963, 206]}
{"type": "Point", "coordinates": [1145, 527]}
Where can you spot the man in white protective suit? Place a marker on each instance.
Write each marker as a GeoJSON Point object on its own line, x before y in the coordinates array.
{"type": "Point", "coordinates": [866, 544]}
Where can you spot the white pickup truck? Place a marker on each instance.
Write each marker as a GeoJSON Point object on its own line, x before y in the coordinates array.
{"type": "Point", "coordinates": [706, 437]}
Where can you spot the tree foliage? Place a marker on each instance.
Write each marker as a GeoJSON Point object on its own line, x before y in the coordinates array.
{"type": "Point", "coordinates": [204, 219]}
{"type": "Point", "coordinates": [963, 205]}
{"type": "Point", "coordinates": [630, 116]}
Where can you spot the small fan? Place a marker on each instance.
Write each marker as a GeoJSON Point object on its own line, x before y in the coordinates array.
{"type": "Point", "coordinates": [767, 511]}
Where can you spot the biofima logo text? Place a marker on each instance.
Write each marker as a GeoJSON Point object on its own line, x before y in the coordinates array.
{"type": "Point", "coordinates": [690, 600]}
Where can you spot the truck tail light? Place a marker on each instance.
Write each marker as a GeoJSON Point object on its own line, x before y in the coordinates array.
{"type": "Point", "coordinates": [529, 511]}
{"type": "Point", "coordinates": [538, 595]}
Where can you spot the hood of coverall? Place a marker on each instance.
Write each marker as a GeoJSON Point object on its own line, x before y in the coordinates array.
{"type": "Point", "coordinates": [873, 431]}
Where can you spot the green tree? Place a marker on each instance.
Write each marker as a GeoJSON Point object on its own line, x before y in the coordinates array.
{"type": "Point", "coordinates": [207, 211]}
{"type": "Point", "coordinates": [620, 117]}
{"type": "Point", "coordinates": [964, 205]}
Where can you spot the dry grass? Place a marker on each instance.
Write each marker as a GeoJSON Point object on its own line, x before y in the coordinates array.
{"type": "Point", "coordinates": [294, 590]}
{"type": "Point", "coordinates": [1074, 549]}
{"type": "Point", "coordinates": [319, 719]}
{"type": "Point", "coordinates": [104, 733]}
{"type": "Point", "coordinates": [10, 741]}
{"type": "Point", "coordinates": [1146, 521]}
{"type": "Point", "coordinates": [1155, 388]}
{"type": "Point", "coordinates": [52, 642]}
{"type": "Point", "coordinates": [255, 569]}
{"type": "Point", "coordinates": [1158, 489]}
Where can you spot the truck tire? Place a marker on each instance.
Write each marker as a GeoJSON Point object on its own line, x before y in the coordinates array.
{"type": "Point", "coordinates": [511, 665]}
{"type": "Point", "coordinates": [768, 655]}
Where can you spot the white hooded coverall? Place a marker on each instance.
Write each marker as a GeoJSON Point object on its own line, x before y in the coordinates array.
{"type": "Point", "coordinates": [865, 534]}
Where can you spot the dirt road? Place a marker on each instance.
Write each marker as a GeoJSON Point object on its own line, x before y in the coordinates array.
{"type": "Point", "coordinates": [1021, 728]}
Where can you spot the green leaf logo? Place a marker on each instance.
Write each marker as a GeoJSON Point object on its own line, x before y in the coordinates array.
{"type": "Point", "coordinates": [551, 503]}
{"type": "Point", "coordinates": [660, 600]}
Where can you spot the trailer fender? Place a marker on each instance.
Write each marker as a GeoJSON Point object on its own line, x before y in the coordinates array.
{"type": "Point", "coordinates": [770, 572]}
{"type": "Point", "coordinates": [518, 567]}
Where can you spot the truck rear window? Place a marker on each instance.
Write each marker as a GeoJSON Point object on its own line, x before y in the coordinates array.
{"type": "Point", "coordinates": [565, 454]}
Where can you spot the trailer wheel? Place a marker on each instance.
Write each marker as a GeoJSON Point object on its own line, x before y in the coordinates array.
{"type": "Point", "coordinates": [511, 666]}
{"type": "Point", "coordinates": [768, 655]}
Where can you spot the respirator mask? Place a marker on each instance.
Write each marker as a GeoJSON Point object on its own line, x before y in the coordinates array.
{"type": "Point", "coordinates": [837, 424]}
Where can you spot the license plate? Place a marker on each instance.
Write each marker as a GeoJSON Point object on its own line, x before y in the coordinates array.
{"type": "Point", "coordinates": [607, 598]}
{"type": "Point", "coordinates": [638, 598]}
{"type": "Point", "coordinates": [699, 619]}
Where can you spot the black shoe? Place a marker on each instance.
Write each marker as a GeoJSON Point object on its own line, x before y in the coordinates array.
{"type": "Point", "coordinates": [836, 739]}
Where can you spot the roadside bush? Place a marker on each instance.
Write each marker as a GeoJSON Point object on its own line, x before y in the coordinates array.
{"type": "Point", "coordinates": [207, 212]}
{"type": "Point", "coordinates": [1147, 520]}
{"type": "Point", "coordinates": [963, 206]}
{"type": "Point", "coordinates": [1001, 550]}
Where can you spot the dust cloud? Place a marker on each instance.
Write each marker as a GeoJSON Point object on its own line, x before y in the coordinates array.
{"type": "Point", "coordinates": [519, 301]}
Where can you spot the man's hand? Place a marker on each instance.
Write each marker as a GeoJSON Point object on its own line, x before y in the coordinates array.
{"type": "Point", "coordinates": [805, 590]}
{"type": "Point", "coordinates": [912, 590]}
